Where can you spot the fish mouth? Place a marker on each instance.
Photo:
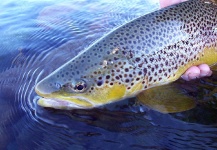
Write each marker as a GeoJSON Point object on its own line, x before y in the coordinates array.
{"type": "Point", "coordinates": [60, 104]}
{"type": "Point", "coordinates": [58, 101]}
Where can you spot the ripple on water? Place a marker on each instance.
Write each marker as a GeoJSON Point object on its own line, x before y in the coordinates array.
{"type": "Point", "coordinates": [57, 34]}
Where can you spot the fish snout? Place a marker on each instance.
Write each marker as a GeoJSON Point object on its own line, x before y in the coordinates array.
{"type": "Point", "coordinates": [44, 88]}
{"type": "Point", "coordinates": [53, 96]}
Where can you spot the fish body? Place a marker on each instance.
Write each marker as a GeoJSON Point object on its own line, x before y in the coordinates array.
{"type": "Point", "coordinates": [152, 50]}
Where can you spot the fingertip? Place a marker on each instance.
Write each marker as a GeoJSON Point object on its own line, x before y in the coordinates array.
{"type": "Point", "coordinates": [204, 67]}
{"type": "Point", "coordinates": [165, 3]}
{"type": "Point", "coordinates": [193, 76]}
{"type": "Point", "coordinates": [193, 69]}
{"type": "Point", "coordinates": [192, 73]}
{"type": "Point", "coordinates": [185, 77]}
{"type": "Point", "coordinates": [204, 70]}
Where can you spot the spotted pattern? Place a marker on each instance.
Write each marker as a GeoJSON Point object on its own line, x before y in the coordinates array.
{"type": "Point", "coordinates": [147, 50]}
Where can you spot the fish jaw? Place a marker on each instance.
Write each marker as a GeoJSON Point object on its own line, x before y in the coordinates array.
{"type": "Point", "coordinates": [61, 100]}
{"type": "Point", "coordinates": [57, 104]}
{"type": "Point", "coordinates": [68, 101]}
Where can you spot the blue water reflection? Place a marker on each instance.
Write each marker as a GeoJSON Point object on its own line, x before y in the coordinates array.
{"type": "Point", "coordinates": [37, 37]}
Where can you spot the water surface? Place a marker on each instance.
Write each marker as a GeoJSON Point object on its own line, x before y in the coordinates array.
{"type": "Point", "coordinates": [38, 36]}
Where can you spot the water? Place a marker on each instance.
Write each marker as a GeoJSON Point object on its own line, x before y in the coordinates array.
{"type": "Point", "coordinates": [37, 37]}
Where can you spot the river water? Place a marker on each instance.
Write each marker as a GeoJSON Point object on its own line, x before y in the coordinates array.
{"type": "Point", "coordinates": [38, 36]}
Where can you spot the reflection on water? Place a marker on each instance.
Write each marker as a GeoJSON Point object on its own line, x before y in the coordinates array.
{"type": "Point", "coordinates": [37, 37]}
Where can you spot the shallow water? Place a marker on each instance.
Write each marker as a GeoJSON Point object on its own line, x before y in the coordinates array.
{"type": "Point", "coordinates": [37, 37]}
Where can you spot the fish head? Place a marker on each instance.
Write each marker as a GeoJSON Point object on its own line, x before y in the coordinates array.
{"type": "Point", "coordinates": [87, 82]}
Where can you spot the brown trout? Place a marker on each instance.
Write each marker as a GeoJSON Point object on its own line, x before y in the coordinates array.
{"type": "Point", "coordinates": [152, 50]}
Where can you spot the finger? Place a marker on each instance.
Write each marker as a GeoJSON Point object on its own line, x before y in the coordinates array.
{"type": "Point", "coordinates": [204, 70]}
{"type": "Point", "coordinates": [165, 3]}
{"type": "Point", "coordinates": [192, 73]}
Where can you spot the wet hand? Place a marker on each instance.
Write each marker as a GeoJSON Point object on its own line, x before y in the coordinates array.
{"type": "Point", "coordinates": [165, 3]}
{"type": "Point", "coordinates": [194, 72]}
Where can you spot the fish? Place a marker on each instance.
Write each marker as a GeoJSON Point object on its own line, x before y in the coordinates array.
{"type": "Point", "coordinates": [150, 51]}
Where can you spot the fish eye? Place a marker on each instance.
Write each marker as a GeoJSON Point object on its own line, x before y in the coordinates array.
{"type": "Point", "coordinates": [80, 86]}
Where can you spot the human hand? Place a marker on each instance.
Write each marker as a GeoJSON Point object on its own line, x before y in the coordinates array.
{"type": "Point", "coordinates": [165, 3]}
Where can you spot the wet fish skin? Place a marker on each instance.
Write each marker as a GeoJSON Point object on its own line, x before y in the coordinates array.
{"type": "Point", "coordinates": [152, 50]}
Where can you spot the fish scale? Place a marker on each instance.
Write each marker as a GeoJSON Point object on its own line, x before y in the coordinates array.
{"type": "Point", "coordinates": [149, 51]}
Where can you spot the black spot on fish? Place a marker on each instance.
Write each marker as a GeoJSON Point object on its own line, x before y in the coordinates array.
{"type": "Point", "coordinates": [144, 71]}
{"type": "Point", "coordinates": [127, 80]}
{"type": "Point", "coordinates": [126, 70]}
{"type": "Point", "coordinates": [140, 73]}
{"type": "Point", "coordinates": [99, 82]}
{"type": "Point", "coordinates": [117, 77]}
{"type": "Point", "coordinates": [150, 79]}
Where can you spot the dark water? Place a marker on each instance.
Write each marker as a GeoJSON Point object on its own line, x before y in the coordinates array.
{"type": "Point", "coordinates": [37, 37]}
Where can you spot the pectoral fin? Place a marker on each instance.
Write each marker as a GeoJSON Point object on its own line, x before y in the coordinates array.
{"type": "Point", "coordinates": [166, 99]}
